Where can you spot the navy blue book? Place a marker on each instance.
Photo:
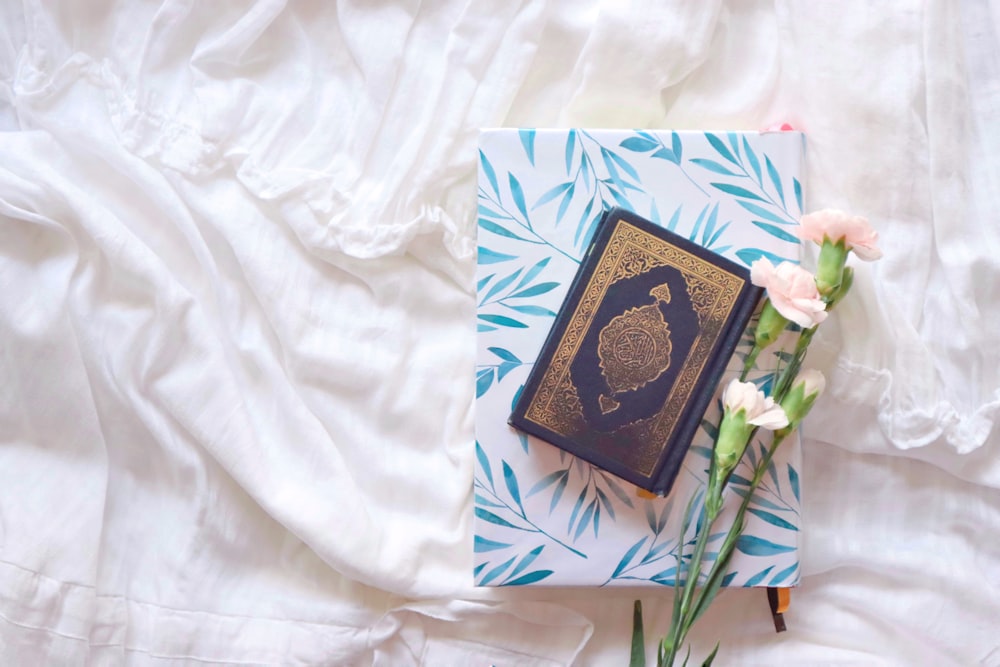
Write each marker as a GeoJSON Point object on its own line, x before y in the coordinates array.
{"type": "Point", "coordinates": [637, 351]}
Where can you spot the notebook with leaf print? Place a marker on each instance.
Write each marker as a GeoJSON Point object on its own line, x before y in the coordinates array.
{"type": "Point", "coordinates": [543, 516]}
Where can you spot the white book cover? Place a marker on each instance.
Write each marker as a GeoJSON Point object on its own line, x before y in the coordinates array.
{"type": "Point", "coordinates": [542, 516]}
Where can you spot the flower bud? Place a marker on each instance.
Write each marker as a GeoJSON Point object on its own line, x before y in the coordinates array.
{"type": "Point", "coordinates": [807, 387]}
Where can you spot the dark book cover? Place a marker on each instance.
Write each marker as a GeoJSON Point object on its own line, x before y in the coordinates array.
{"type": "Point", "coordinates": [637, 351]}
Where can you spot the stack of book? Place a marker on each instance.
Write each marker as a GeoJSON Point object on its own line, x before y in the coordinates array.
{"type": "Point", "coordinates": [621, 364]}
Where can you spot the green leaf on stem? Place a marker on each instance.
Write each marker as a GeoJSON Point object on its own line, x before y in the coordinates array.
{"type": "Point", "coordinates": [638, 656]}
{"type": "Point", "coordinates": [711, 656]}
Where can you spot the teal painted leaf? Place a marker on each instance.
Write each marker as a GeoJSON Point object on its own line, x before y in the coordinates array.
{"type": "Point", "coordinates": [511, 481]}
{"type": "Point", "coordinates": [750, 255]}
{"type": "Point", "coordinates": [570, 148]}
{"type": "Point", "coordinates": [615, 488]}
{"type": "Point", "coordinates": [607, 503]}
{"type": "Point", "coordinates": [503, 321]}
{"type": "Point", "coordinates": [584, 219]}
{"type": "Point", "coordinates": [576, 508]}
{"type": "Point", "coordinates": [654, 213]}
{"type": "Point", "coordinates": [625, 166]}
{"type": "Point", "coordinates": [773, 473]}
{"type": "Point", "coordinates": [564, 205]}
{"type": "Point", "coordinates": [490, 174]}
{"type": "Point", "coordinates": [720, 147]}
{"type": "Point", "coordinates": [490, 517]}
{"type": "Point", "coordinates": [638, 144]}
{"type": "Point", "coordinates": [557, 494]}
{"type": "Point", "coordinates": [529, 578]}
{"type": "Point", "coordinates": [697, 224]}
{"type": "Point", "coordinates": [547, 481]}
{"type": "Point", "coordinates": [505, 368]}
{"type": "Point", "coordinates": [672, 225]}
{"type": "Point", "coordinates": [620, 199]}
{"type": "Point", "coordinates": [752, 159]}
{"type": "Point", "coordinates": [777, 232]}
{"type": "Point", "coordinates": [528, 141]}
{"type": "Point", "coordinates": [712, 165]}
{"type": "Point", "coordinates": [728, 579]}
{"type": "Point", "coordinates": [666, 576]}
{"type": "Point", "coordinates": [668, 155]}
{"type": "Point", "coordinates": [484, 381]}
{"type": "Point", "coordinates": [756, 209]}
{"type": "Point", "coordinates": [734, 141]}
{"type": "Point", "coordinates": [591, 230]}
{"type": "Point", "coordinates": [482, 500]}
{"type": "Point", "coordinates": [758, 546]}
{"type": "Point", "coordinates": [483, 281]}
{"type": "Point", "coordinates": [499, 285]}
{"type": "Point", "coordinates": [676, 146]}
{"type": "Point", "coordinates": [534, 290]}
{"type": "Point", "coordinates": [481, 544]}
{"type": "Point", "coordinates": [528, 559]}
{"type": "Point", "coordinates": [664, 515]}
{"type": "Point", "coordinates": [479, 568]}
{"type": "Point", "coordinates": [496, 572]}
{"type": "Point", "coordinates": [610, 166]}
{"type": "Point", "coordinates": [783, 575]}
{"type": "Point", "coordinates": [651, 517]}
{"type": "Point", "coordinates": [629, 555]}
{"type": "Point", "coordinates": [736, 191]}
{"type": "Point", "coordinates": [654, 552]}
{"type": "Point", "coordinates": [490, 213]}
{"type": "Point", "coordinates": [487, 256]}
{"type": "Point", "coordinates": [775, 179]}
{"type": "Point", "coordinates": [739, 479]}
{"type": "Point", "coordinates": [597, 516]}
{"type": "Point", "coordinates": [585, 519]}
{"type": "Point", "coordinates": [710, 225]}
{"type": "Point", "coordinates": [798, 192]}
{"type": "Point", "coordinates": [763, 502]}
{"type": "Point", "coordinates": [506, 355]}
{"type": "Point", "coordinates": [793, 479]}
{"type": "Point", "coordinates": [518, 194]}
{"type": "Point", "coordinates": [523, 439]}
{"type": "Point", "coordinates": [481, 328]}
{"type": "Point", "coordinates": [552, 194]}
{"type": "Point", "coordinates": [484, 463]}
{"type": "Point", "coordinates": [491, 226]}
{"type": "Point", "coordinates": [772, 519]}
{"type": "Point", "coordinates": [532, 310]}
{"type": "Point", "coordinates": [759, 577]}
{"type": "Point", "coordinates": [702, 451]}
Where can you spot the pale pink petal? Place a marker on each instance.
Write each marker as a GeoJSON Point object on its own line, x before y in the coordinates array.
{"type": "Point", "coordinates": [770, 419]}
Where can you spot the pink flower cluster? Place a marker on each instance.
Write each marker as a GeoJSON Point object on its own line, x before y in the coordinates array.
{"type": "Point", "coordinates": [835, 226]}
{"type": "Point", "coordinates": [792, 291]}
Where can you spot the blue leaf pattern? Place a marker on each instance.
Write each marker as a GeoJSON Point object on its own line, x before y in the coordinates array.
{"type": "Point", "coordinates": [552, 509]}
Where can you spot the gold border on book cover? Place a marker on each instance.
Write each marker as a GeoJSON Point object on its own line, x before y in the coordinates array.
{"type": "Point", "coordinates": [642, 337]}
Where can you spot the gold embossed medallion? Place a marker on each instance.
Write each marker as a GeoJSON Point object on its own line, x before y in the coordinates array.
{"type": "Point", "coordinates": [634, 348]}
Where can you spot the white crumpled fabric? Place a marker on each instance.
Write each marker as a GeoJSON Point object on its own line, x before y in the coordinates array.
{"type": "Point", "coordinates": [236, 256]}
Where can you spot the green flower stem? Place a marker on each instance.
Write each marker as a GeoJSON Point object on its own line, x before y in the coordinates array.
{"type": "Point", "coordinates": [695, 601]}
{"type": "Point", "coordinates": [751, 360]}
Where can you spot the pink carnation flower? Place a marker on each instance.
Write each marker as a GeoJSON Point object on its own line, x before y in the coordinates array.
{"type": "Point", "coordinates": [792, 291]}
{"type": "Point", "coordinates": [836, 225]}
{"type": "Point", "coordinates": [759, 410]}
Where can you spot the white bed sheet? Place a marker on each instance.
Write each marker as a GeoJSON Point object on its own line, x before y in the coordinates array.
{"type": "Point", "coordinates": [236, 258]}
